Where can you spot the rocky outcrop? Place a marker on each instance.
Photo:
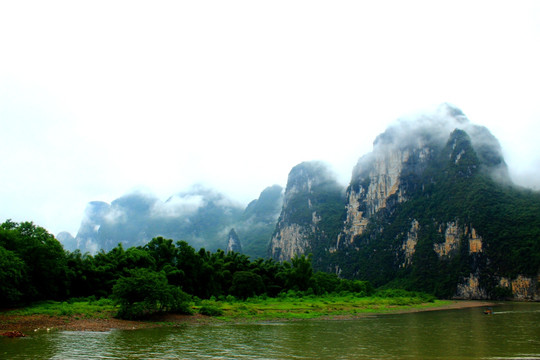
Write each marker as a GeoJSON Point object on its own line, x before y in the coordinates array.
{"type": "Point", "coordinates": [233, 242]}
{"type": "Point", "coordinates": [470, 288]}
{"type": "Point", "coordinates": [452, 236]}
{"type": "Point", "coordinates": [312, 194]}
{"type": "Point", "coordinates": [420, 160]}
{"type": "Point", "coordinates": [475, 242]}
{"type": "Point", "coordinates": [356, 222]}
{"type": "Point", "coordinates": [380, 179]}
{"type": "Point", "coordinates": [290, 240]}
{"type": "Point", "coordinates": [409, 245]}
{"type": "Point", "coordinates": [523, 288]}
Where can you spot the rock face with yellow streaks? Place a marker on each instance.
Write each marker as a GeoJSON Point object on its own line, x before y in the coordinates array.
{"type": "Point", "coordinates": [409, 245]}
{"type": "Point", "coordinates": [470, 289]}
{"type": "Point", "coordinates": [290, 240]}
{"type": "Point", "coordinates": [377, 180]}
{"type": "Point", "coordinates": [523, 288]}
{"type": "Point", "coordinates": [429, 209]}
{"type": "Point", "coordinates": [312, 194]}
{"type": "Point", "coordinates": [451, 240]}
{"type": "Point", "coordinates": [475, 242]}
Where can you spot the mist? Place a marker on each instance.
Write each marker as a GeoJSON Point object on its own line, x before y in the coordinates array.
{"type": "Point", "coordinates": [235, 94]}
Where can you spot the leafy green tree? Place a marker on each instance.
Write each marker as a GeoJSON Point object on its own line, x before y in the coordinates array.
{"type": "Point", "coordinates": [43, 256]}
{"type": "Point", "coordinates": [325, 282]}
{"type": "Point", "coordinates": [107, 270]}
{"type": "Point", "coordinates": [137, 258]}
{"type": "Point", "coordinates": [12, 275]}
{"type": "Point", "coordinates": [189, 264]}
{"type": "Point", "coordinates": [273, 274]}
{"type": "Point", "coordinates": [80, 274]}
{"type": "Point", "coordinates": [246, 284]}
{"type": "Point", "coordinates": [163, 251]}
{"type": "Point", "coordinates": [300, 275]}
{"type": "Point", "coordinates": [145, 292]}
{"type": "Point", "coordinates": [360, 288]}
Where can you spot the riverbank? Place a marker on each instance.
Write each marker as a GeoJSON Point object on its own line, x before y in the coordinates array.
{"type": "Point", "coordinates": [29, 323]}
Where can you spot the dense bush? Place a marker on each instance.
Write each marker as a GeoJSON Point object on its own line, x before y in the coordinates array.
{"type": "Point", "coordinates": [246, 284]}
{"type": "Point", "coordinates": [210, 309]}
{"type": "Point", "coordinates": [145, 292]}
{"type": "Point", "coordinates": [158, 277]}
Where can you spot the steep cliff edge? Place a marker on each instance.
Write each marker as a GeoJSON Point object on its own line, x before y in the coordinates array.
{"type": "Point", "coordinates": [233, 242]}
{"type": "Point", "coordinates": [431, 208]}
{"type": "Point", "coordinates": [391, 172]}
{"type": "Point", "coordinates": [311, 214]}
{"type": "Point", "coordinates": [440, 216]}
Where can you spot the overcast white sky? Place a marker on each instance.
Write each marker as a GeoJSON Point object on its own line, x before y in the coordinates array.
{"type": "Point", "coordinates": [99, 98]}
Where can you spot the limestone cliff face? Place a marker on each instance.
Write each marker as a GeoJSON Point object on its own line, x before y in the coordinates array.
{"type": "Point", "coordinates": [407, 198]}
{"type": "Point", "coordinates": [523, 288]}
{"type": "Point", "coordinates": [470, 288]}
{"type": "Point", "coordinates": [430, 208]}
{"type": "Point", "coordinates": [452, 236]}
{"type": "Point", "coordinates": [388, 174]}
{"type": "Point", "coordinates": [380, 180]}
{"type": "Point", "coordinates": [311, 194]}
{"type": "Point", "coordinates": [409, 245]}
{"type": "Point", "coordinates": [233, 242]}
{"type": "Point", "coordinates": [290, 240]}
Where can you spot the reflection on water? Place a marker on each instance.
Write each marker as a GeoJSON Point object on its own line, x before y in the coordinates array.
{"type": "Point", "coordinates": [512, 332]}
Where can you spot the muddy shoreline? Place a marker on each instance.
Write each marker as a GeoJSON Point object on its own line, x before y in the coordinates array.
{"type": "Point", "coordinates": [28, 324]}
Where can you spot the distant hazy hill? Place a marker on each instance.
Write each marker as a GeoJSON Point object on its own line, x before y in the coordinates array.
{"type": "Point", "coordinates": [200, 216]}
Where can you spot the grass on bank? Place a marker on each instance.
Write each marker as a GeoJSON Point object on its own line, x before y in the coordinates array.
{"type": "Point", "coordinates": [312, 307]}
{"type": "Point", "coordinates": [88, 308]}
{"type": "Point", "coordinates": [290, 305]}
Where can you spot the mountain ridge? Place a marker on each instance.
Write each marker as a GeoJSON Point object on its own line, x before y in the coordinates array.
{"type": "Point", "coordinates": [200, 215]}
{"type": "Point", "coordinates": [415, 214]}
{"type": "Point", "coordinates": [431, 208]}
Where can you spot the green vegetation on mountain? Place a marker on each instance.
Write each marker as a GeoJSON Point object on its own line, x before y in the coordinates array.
{"type": "Point", "coordinates": [456, 187]}
{"type": "Point", "coordinates": [315, 202]}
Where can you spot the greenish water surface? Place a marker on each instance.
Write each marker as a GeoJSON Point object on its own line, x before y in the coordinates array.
{"type": "Point", "coordinates": [512, 332]}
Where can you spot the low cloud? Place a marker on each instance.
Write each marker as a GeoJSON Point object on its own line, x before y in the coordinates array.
{"type": "Point", "coordinates": [177, 206]}
{"type": "Point", "coordinates": [115, 215]}
{"type": "Point", "coordinates": [432, 127]}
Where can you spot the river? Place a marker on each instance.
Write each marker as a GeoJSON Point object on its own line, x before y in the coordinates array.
{"type": "Point", "coordinates": [512, 332]}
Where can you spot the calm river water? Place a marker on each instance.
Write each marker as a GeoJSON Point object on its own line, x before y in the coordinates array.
{"type": "Point", "coordinates": [512, 332]}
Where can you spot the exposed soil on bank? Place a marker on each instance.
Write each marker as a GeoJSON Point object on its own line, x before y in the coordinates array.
{"type": "Point", "coordinates": [30, 323]}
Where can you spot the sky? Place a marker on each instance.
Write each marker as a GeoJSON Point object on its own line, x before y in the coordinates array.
{"type": "Point", "coordinates": [102, 98]}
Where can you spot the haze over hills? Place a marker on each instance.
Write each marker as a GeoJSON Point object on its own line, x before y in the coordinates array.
{"type": "Point", "coordinates": [201, 216]}
{"type": "Point", "coordinates": [431, 208]}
